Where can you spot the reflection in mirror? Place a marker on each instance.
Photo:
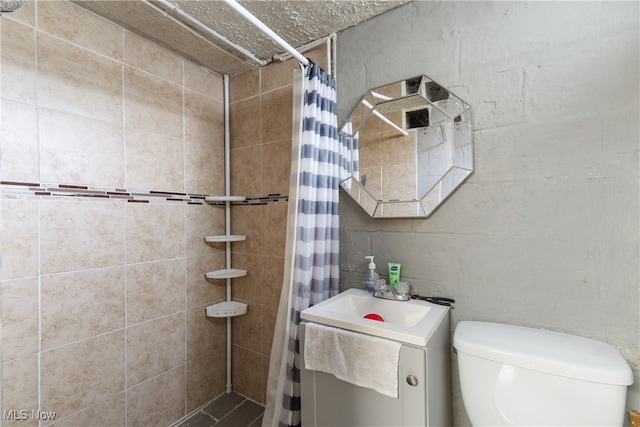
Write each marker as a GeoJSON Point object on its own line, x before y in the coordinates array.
{"type": "Point", "coordinates": [410, 146]}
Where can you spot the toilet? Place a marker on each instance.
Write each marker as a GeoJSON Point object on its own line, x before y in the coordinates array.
{"type": "Point", "coordinates": [518, 376]}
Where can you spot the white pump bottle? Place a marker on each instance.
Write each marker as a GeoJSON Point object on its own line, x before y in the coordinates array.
{"type": "Point", "coordinates": [372, 276]}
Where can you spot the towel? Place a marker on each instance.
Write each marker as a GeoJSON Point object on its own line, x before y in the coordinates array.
{"type": "Point", "coordinates": [358, 359]}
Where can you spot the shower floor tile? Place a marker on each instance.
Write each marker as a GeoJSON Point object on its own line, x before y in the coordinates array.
{"type": "Point", "coordinates": [228, 410]}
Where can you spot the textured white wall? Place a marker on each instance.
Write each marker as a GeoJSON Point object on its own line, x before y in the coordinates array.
{"type": "Point", "coordinates": [545, 233]}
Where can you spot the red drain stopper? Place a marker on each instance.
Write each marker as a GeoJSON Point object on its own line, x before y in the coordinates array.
{"type": "Point", "coordinates": [374, 316]}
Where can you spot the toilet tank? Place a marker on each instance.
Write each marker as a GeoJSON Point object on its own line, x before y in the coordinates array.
{"type": "Point", "coordinates": [514, 375]}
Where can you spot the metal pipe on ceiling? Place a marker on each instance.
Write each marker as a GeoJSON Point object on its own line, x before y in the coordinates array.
{"type": "Point", "coordinates": [268, 31]}
{"type": "Point", "coordinates": [200, 26]}
{"type": "Point", "coordinates": [242, 11]}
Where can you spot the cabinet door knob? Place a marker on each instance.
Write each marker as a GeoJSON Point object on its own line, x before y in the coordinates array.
{"type": "Point", "coordinates": [412, 380]}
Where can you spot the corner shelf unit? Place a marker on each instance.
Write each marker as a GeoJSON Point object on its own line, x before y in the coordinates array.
{"type": "Point", "coordinates": [226, 308]}
{"type": "Point", "coordinates": [227, 273]}
{"type": "Point", "coordinates": [225, 238]}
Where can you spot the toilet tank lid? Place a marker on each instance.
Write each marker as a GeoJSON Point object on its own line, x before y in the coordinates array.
{"type": "Point", "coordinates": [543, 351]}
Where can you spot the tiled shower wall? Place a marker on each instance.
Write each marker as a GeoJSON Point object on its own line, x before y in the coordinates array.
{"type": "Point", "coordinates": [260, 126]}
{"type": "Point", "coordinates": [109, 144]}
{"type": "Point", "coordinates": [103, 288]}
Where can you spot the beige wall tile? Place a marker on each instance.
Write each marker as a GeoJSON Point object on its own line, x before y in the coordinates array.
{"type": "Point", "coordinates": [20, 390]}
{"type": "Point", "coordinates": [82, 374]}
{"type": "Point", "coordinates": [18, 62]}
{"type": "Point", "coordinates": [152, 58]}
{"type": "Point", "coordinates": [155, 347]}
{"type": "Point", "coordinates": [201, 291]}
{"type": "Point", "coordinates": [248, 288]}
{"type": "Point", "coordinates": [244, 86]}
{"type": "Point", "coordinates": [69, 22]}
{"type": "Point", "coordinates": [318, 55]}
{"type": "Point", "coordinates": [27, 14]}
{"type": "Point", "coordinates": [277, 74]}
{"type": "Point", "coordinates": [20, 324]}
{"type": "Point", "coordinates": [111, 412]}
{"type": "Point", "coordinates": [272, 277]}
{"type": "Point", "coordinates": [19, 245]}
{"type": "Point", "coordinates": [204, 169]}
{"type": "Point", "coordinates": [273, 236]}
{"type": "Point", "coordinates": [269, 315]}
{"type": "Point", "coordinates": [276, 167]}
{"type": "Point", "coordinates": [155, 289]}
{"type": "Point", "coordinates": [277, 107]}
{"type": "Point", "coordinates": [78, 81]}
{"type": "Point", "coordinates": [201, 221]}
{"type": "Point", "coordinates": [265, 379]}
{"type": "Point", "coordinates": [244, 123]}
{"type": "Point", "coordinates": [206, 379]}
{"type": "Point", "coordinates": [154, 161]}
{"type": "Point", "coordinates": [80, 235]}
{"type": "Point", "coordinates": [204, 119]}
{"type": "Point", "coordinates": [154, 232]}
{"type": "Point", "coordinates": [246, 171]}
{"type": "Point", "coordinates": [247, 329]}
{"type": "Point", "coordinates": [152, 103]}
{"type": "Point", "coordinates": [247, 373]}
{"type": "Point", "coordinates": [80, 150]}
{"type": "Point", "coordinates": [81, 304]}
{"type": "Point", "coordinates": [19, 149]}
{"type": "Point", "coordinates": [248, 220]}
{"type": "Point", "coordinates": [203, 80]}
{"type": "Point", "coordinates": [159, 401]}
{"type": "Point", "coordinates": [205, 335]}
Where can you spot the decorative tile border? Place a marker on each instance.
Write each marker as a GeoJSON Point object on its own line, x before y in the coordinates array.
{"type": "Point", "coordinates": [16, 188]}
{"type": "Point", "coordinates": [256, 200]}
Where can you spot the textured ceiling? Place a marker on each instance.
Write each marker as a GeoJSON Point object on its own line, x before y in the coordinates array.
{"type": "Point", "coordinates": [297, 21]}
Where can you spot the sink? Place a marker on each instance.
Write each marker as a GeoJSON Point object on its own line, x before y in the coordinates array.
{"type": "Point", "coordinates": [412, 322]}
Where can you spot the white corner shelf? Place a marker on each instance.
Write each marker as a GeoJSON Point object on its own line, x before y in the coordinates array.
{"type": "Point", "coordinates": [225, 238]}
{"type": "Point", "coordinates": [227, 273]}
{"type": "Point", "coordinates": [226, 309]}
{"type": "Point", "coordinates": [225, 198]}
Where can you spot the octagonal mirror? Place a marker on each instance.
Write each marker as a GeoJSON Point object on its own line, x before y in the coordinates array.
{"type": "Point", "coordinates": [410, 146]}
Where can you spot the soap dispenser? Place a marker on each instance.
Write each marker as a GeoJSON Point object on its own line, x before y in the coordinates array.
{"type": "Point", "coordinates": [372, 276]}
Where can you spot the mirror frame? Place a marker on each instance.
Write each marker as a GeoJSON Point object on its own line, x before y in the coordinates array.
{"type": "Point", "coordinates": [413, 117]}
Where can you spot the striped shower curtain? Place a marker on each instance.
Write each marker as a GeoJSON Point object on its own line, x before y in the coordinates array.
{"type": "Point", "coordinates": [312, 243]}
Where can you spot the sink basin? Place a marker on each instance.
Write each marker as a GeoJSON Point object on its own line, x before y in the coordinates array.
{"type": "Point", "coordinates": [412, 322]}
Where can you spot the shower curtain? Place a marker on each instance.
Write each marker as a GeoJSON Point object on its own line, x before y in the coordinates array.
{"type": "Point", "coordinates": [312, 241]}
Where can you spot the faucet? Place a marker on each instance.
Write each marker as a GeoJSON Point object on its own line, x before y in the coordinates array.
{"type": "Point", "coordinates": [388, 292]}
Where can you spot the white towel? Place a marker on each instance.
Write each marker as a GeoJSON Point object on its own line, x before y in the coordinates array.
{"type": "Point", "coordinates": [358, 359]}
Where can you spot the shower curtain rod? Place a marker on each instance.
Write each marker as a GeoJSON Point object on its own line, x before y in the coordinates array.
{"type": "Point", "coordinates": [268, 31]}
{"type": "Point", "coordinates": [246, 14]}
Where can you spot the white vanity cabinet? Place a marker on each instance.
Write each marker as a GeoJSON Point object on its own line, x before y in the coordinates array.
{"type": "Point", "coordinates": [424, 390]}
